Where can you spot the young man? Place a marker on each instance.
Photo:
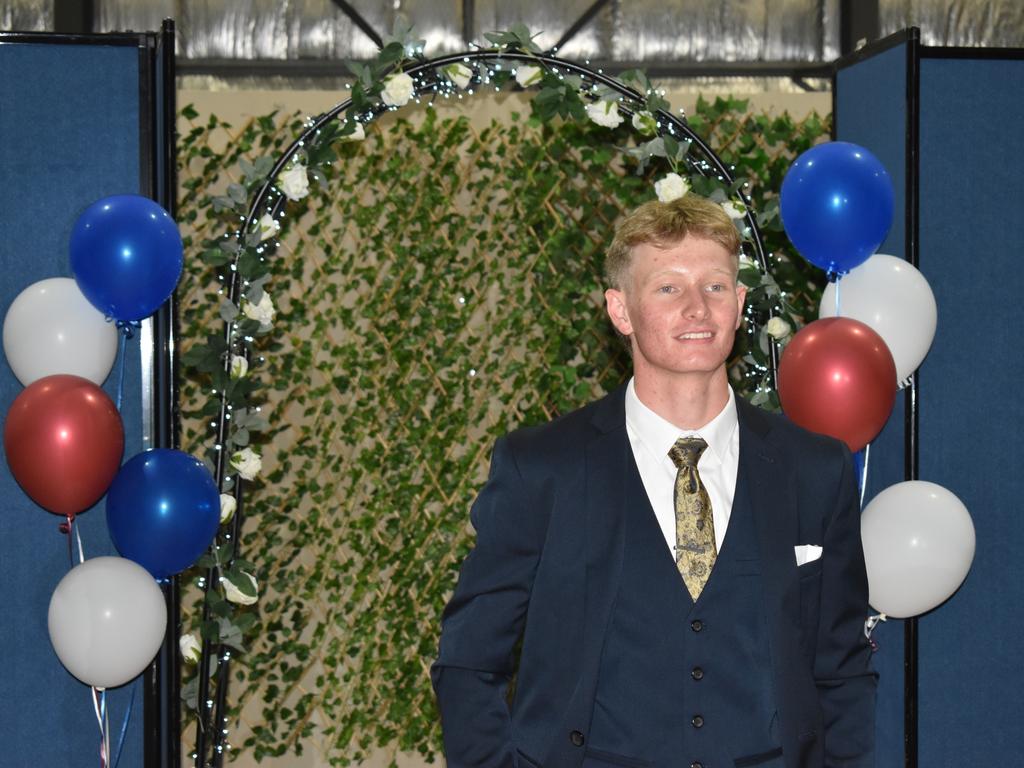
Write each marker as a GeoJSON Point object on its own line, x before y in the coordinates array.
{"type": "Point", "coordinates": [684, 571]}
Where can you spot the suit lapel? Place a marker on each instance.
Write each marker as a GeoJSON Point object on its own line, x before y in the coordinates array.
{"type": "Point", "coordinates": [767, 478]}
{"type": "Point", "coordinates": [607, 457]}
{"type": "Point", "coordinates": [765, 484]}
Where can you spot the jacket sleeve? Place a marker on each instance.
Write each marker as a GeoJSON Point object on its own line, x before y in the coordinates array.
{"type": "Point", "coordinates": [483, 621]}
{"type": "Point", "coordinates": [842, 668]}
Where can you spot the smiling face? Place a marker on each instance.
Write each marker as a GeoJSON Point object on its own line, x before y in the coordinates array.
{"type": "Point", "coordinates": [680, 307]}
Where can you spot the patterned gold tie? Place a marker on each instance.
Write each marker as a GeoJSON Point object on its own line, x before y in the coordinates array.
{"type": "Point", "coordinates": [695, 526]}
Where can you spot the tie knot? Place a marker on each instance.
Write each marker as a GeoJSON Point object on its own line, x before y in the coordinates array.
{"type": "Point", "coordinates": [686, 451]}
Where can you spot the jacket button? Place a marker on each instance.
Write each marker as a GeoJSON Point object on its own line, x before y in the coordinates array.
{"type": "Point", "coordinates": [576, 738]}
{"type": "Point", "coordinates": [696, 625]}
{"type": "Point", "coordinates": [697, 673]}
{"type": "Point", "coordinates": [696, 764]}
{"type": "Point", "coordinates": [697, 721]}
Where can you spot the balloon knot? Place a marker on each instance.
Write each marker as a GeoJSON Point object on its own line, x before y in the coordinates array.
{"type": "Point", "coordinates": [128, 327]}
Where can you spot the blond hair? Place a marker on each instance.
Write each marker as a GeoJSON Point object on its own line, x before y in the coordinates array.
{"type": "Point", "coordinates": [664, 225]}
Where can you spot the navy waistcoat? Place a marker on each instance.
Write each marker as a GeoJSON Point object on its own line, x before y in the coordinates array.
{"type": "Point", "coordinates": [679, 682]}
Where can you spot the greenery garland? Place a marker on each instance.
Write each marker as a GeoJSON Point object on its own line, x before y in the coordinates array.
{"type": "Point", "coordinates": [242, 257]}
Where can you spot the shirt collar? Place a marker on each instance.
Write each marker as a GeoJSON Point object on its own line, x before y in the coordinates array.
{"type": "Point", "coordinates": [659, 435]}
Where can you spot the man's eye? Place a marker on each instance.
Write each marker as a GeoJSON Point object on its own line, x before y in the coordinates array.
{"type": "Point", "coordinates": [666, 289]}
{"type": "Point", "coordinates": [716, 287]}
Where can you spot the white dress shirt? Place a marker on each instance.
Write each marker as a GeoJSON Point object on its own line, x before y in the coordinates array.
{"type": "Point", "coordinates": [651, 436]}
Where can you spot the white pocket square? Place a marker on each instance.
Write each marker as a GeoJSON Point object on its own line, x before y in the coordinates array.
{"type": "Point", "coordinates": [806, 553]}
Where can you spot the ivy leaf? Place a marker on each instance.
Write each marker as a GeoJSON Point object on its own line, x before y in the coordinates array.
{"type": "Point", "coordinates": [240, 437]}
{"type": "Point", "coordinates": [228, 311]}
{"type": "Point", "coordinates": [230, 634]}
{"type": "Point", "coordinates": [190, 693]}
{"type": "Point", "coordinates": [216, 257]}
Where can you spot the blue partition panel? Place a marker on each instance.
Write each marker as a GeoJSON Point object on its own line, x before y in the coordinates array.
{"type": "Point", "coordinates": [871, 110]}
{"type": "Point", "coordinates": [69, 135]}
{"type": "Point", "coordinates": [972, 161]}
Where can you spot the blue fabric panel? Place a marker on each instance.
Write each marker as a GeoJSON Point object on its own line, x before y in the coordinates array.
{"type": "Point", "coordinates": [69, 135]}
{"type": "Point", "coordinates": [971, 197]}
{"type": "Point", "coordinates": [871, 110]}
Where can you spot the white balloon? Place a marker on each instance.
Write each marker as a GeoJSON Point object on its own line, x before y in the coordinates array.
{"type": "Point", "coordinates": [918, 547]}
{"type": "Point", "coordinates": [52, 328]}
{"type": "Point", "coordinates": [107, 620]}
{"type": "Point", "coordinates": [889, 295]}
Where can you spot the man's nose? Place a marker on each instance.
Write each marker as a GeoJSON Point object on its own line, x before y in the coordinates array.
{"type": "Point", "coordinates": [695, 304]}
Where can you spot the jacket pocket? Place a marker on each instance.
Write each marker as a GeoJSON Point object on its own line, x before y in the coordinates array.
{"type": "Point", "coordinates": [525, 761]}
{"type": "Point", "coordinates": [598, 758]}
{"type": "Point", "coordinates": [772, 757]}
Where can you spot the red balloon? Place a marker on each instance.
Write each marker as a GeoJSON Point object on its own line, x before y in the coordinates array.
{"type": "Point", "coordinates": [64, 440]}
{"type": "Point", "coordinates": [837, 377]}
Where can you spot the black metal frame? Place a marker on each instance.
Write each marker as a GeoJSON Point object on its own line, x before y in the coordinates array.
{"type": "Point", "coordinates": [162, 711]}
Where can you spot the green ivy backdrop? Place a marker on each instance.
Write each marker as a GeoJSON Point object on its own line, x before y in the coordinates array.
{"type": "Point", "coordinates": [438, 290]}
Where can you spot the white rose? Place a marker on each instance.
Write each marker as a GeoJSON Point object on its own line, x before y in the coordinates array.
{"type": "Point", "coordinates": [263, 311]}
{"type": "Point", "coordinates": [239, 367]}
{"type": "Point", "coordinates": [645, 123]}
{"type": "Point", "coordinates": [778, 328]}
{"type": "Point", "coordinates": [734, 210]}
{"type": "Point", "coordinates": [268, 226]}
{"type": "Point", "coordinates": [528, 75]}
{"type": "Point", "coordinates": [294, 183]}
{"type": "Point", "coordinates": [670, 188]}
{"type": "Point", "coordinates": [236, 595]}
{"type": "Point", "coordinates": [459, 74]}
{"type": "Point", "coordinates": [398, 90]}
{"type": "Point", "coordinates": [190, 647]}
{"type": "Point", "coordinates": [247, 463]}
{"type": "Point", "coordinates": [358, 133]}
{"type": "Point", "coordinates": [228, 505]}
{"type": "Point", "coordinates": [605, 113]}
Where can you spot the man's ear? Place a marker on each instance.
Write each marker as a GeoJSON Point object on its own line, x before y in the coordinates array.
{"type": "Point", "coordinates": [615, 305]}
{"type": "Point", "coordinates": [741, 300]}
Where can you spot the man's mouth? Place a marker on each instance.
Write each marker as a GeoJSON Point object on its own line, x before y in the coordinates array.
{"type": "Point", "coordinates": [695, 335]}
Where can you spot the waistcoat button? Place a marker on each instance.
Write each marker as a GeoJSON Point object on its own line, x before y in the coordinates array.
{"type": "Point", "coordinates": [697, 721]}
{"type": "Point", "coordinates": [697, 673]}
{"type": "Point", "coordinates": [696, 625]}
{"type": "Point", "coordinates": [576, 738]}
{"type": "Point", "coordinates": [696, 764]}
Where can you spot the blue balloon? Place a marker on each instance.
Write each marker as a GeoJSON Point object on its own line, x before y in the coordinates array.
{"type": "Point", "coordinates": [836, 205]}
{"type": "Point", "coordinates": [163, 509]}
{"type": "Point", "coordinates": [126, 256]}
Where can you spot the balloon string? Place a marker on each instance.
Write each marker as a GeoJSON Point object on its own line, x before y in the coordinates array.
{"type": "Point", "coordinates": [124, 726]}
{"type": "Point", "coordinates": [120, 375]}
{"type": "Point", "coordinates": [864, 473]}
{"type": "Point", "coordinates": [81, 551]}
{"type": "Point", "coordinates": [869, 627]}
{"type": "Point", "coordinates": [839, 282]}
{"type": "Point", "coordinates": [99, 704]}
{"type": "Point", "coordinates": [74, 534]}
{"type": "Point", "coordinates": [127, 329]}
{"type": "Point", "coordinates": [66, 528]}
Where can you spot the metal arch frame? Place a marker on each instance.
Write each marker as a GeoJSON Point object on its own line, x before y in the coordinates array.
{"type": "Point", "coordinates": [266, 199]}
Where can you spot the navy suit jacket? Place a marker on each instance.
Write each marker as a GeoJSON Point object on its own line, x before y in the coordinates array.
{"type": "Point", "coordinates": [545, 568]}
